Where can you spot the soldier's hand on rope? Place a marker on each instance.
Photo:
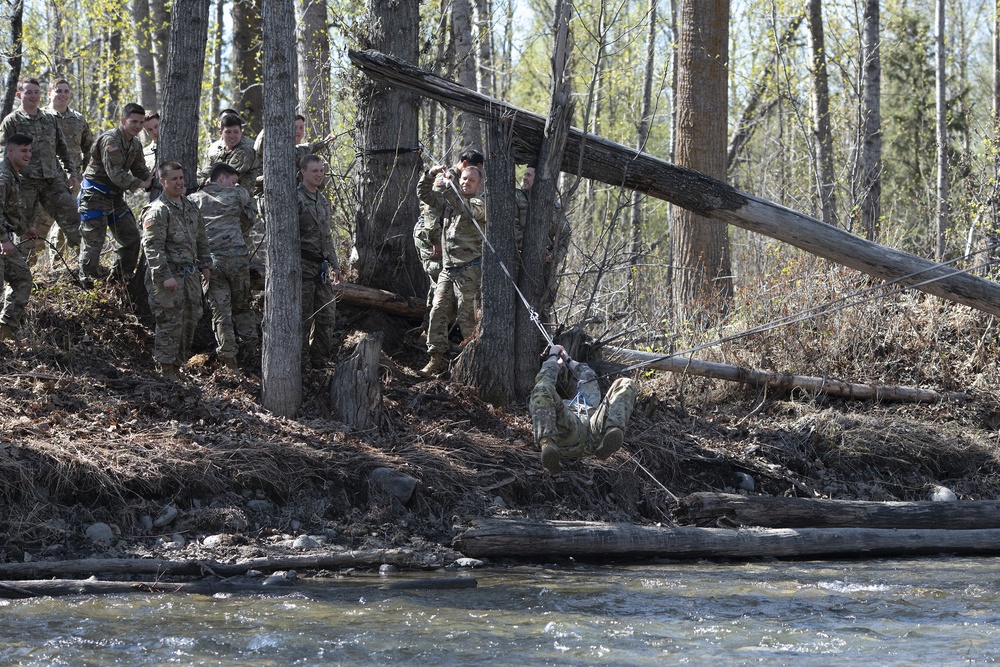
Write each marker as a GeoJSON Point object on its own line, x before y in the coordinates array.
{"type": "Point", "coordinates": [170, 284]}
{"type": "Point", "coordinates": [7, 248]}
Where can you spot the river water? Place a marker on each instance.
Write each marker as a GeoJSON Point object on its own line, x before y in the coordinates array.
{"type": "Point", "coordinates": [936, 611]}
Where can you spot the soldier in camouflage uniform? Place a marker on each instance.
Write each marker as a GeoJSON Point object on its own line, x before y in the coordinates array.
{"type": "Point", "coordinates": [320, 268]}
{"type": "Point", "coordinates": [13, 268]}
{"type": "Point", "coordinates": [462, 250]}
{"type": "Point", "coordinates": [583, 426]}
{"type": "Point", "coordinates": [176, 248]}
{"type": "Point", "coordinates": [427, 231]}
{"type": "Point", "coordinates": [79, 138]}
{"type": "Point", "coordinates": [151, 127]}
{"type": "Point", "coordinates": [228, 211]}
{"type": "Point", "coordinates": [116, 165]}
{"type": "Point", "coordinates": [235, 150]}
{"type": "Point", "coordinates": [44, 181]}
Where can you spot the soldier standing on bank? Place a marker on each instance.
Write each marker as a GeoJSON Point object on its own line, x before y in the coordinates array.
{"type": "Point", "coordinates": [44, 181]}
{"type": "Point", "coordinates": [177, 252]}
{"type": "Point", "coordinates": [116, 166]}
{"type": "Point", "coordinates": [320, 268]}
{"type": "Point", "coordinates": [235, 150]}
{"type": "Point", "coordinates": [13, 268]}
{"type": "Point", "coordinates": [151, 127]}
{"type": "Point", "coordinates": [228, 211]}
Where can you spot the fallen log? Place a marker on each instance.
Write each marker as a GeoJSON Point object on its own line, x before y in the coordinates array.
{"type": "Point", "coordinates": [369, 297]}
{"type": "Point", "coordinates": [597, 158]}
{"type": "Point", "coordinates": [89, 566]}
{"type": "Point", "coordinates": [784, 381]}
{"type": "Point", "coordinates": [512, 538]}
{"type": "Point", "coordinates": [781, 512]}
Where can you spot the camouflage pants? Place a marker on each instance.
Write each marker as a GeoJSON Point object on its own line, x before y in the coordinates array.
{"type": "Point", "coordinates": [177, 314]}
{"type": "Point", "coordinates": [577, 427]}
{"type": "Point", "coordinates": [229, 295]}
{"type": "Point", "coordinates": [454, 300]}
{"type": "Point", "coordinates": [51, 196]}
{"type": "Point", "coordinates": [319, 315]}
{"type": "Point", "coordinates": [101, 213]}
{"type": "Point", "coordinates": [17, 276]}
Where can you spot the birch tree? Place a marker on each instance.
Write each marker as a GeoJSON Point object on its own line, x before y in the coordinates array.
{"type": "Point", "coordinates": [868, 178]}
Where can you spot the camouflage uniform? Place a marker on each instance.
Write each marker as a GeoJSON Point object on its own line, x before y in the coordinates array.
{"type": "Point", "coordinates": [79, 138]}
{"type": "Point", "coordinates": [229, 213]}
{"type": "Point", "coordinates": [319, 306]}
{"type": "Point", "coordinates": [149, 155]}
{"type": "Point", "coordinates": [176, 246]}
{"type": "Point", "coordinates": [44, 181]}
{"type": "Point", "coordinates": [243, 159]}
{"type": "Point", "coordinates": [461, 254]}
{"type": "Point", "coordinates": [13, 268]}
{"type": "Point", "coordinates": [577, 427]}
{"type": "Point", "coordinates": [116, 165]}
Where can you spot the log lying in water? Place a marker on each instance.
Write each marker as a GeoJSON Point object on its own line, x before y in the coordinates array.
{"type": "Point", "coordinates": [780, 512]}
{"type": "Point", "coordinates": [784, 381]}
{"type": "Point", "coordinates": [512, 538]}
{"type": "Point", "coordinates": [156, 566]}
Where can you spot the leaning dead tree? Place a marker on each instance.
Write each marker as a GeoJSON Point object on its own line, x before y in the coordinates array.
{"type": "Point", "coordinates": [597, 158]}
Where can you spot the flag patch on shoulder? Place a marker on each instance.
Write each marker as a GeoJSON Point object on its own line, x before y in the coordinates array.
{"type": "Point", "coordinates": [148, 222]}
{"type": "Point", "coordinates": [112, 148]}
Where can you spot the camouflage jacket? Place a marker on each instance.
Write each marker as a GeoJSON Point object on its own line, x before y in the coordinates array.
{"type": "Point", "coordinates": [243, 159]}
{"type": "Point", "coordinates": [173, 238]}
{"type": "Point", "coordinates": [11, 221]}
{"type": "Point", "coordinates": [76, 132]}
{"type": "Point", "coordinates": [228, 213]}
{"type": "Point", "coordinates": [461, 242]}
{"type": "Point", "coordinates": [49, 147]}
{"type": "Point", "coordinates": [116, 162]}
{"type": "Point", "coordinates": [315, 234]}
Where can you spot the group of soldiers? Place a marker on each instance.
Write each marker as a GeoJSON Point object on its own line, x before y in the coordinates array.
{"type": "Point", "coordinates": [193, 246]}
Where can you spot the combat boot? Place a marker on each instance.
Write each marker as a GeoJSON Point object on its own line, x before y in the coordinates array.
{"type": "Point", "coordinates": [610, 444]}
{"type": "Point", "coordinates": [550, 456]}
{"type": "Point", "coordinates": [229, 363]}
{"type": "Point", "coordinates": [6, 332]}
{"type": "Point", "coordinates": [170, 372]}
{"type": "Point", "coordinates": [435, 366]}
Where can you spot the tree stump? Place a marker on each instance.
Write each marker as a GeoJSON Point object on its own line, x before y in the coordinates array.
{"type": "Point", "coordinates": [356, 392]}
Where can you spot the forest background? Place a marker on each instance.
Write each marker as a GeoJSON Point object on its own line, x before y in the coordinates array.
{"type": "Point", "coordinates": [621, 267]}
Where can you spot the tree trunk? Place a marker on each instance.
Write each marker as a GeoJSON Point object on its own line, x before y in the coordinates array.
{"type": "Point", "coordinates": [14, 58]}
{"type": "Point", "coordinates": [542, 202]}
{"type": "Point", "coordinates": [780, 512]}
{"type": "Point", "coordinates": [182, 86]}
{"type": "Point", "coordinates": [314, 66]}
{"type": "Point", "coordinates": [281, 387]}
{"type": "Point", "coordinates": [112, 79]}
{"type": "Point", "coordinates": [940, 249]}
{"type": "Point", "coordinates": [477, 366]}
{"type": "Point", "coordinates": [993, 234]}
{"type": "Point", "coordinates": [356, 387]}
{"type": "Point", "coordinates": [160, 16]}
{"type": "Point", "coordinates": [641, 137]}
{"type": "Point", "coordinates": [388, 170]}
{"type": "Point", "coordinates": [622, 166]}
{"type": "Point", "coordinates": [465, 68]}
{"type": "Point", "coordinates": [514, 538]}
{"type": "Point", "coordinates": [821, 115]}
{"type": "Point", "coordinates": [145, 68]}
{"type": "Point", "coordinates": [868, 181]}
{"type": "Point", "coordinates": [248, 93]}
{"type": "Point", "coordinates": [484, 32]}
{"type": "Point", "coordinates": [217, 51]}
{"type": "Point", "coordinates": [703, 286]}
{"type": "Point", "coordinates": [55, 14]}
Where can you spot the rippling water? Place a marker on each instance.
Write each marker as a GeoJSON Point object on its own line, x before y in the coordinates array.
{"type": "Point", "coordinates": [892, 612]}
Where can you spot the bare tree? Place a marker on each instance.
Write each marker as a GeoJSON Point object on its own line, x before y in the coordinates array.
{"type": "Point", "coordinates": [703, 278]}
{"type": "Point", "coordinates": [868, 175]}
{"type": "Point", "coordinates": [314, 65]}
{"type": "Point", "coordinates": [217, 51]}
{"type": "Point", "coordinates": [160, 16]}
{"type": "Point", "coordinates": [641, 136]}
{"type": "Point", "coordinates": [942, 136]}
{"type": "Point", "coordinates": [388, 166]}
{"type": "Point", "coordinates": [182, 86]}
{"type": "Point", "coordinates": [145, 69]}
{"type": "Point", "coordinates": [14, 58]}
{"type": "Point", "coordinates": [281, 388]}
{"type": "Point", "coordinates": [821, 114]}
{"type": "Point", "coordinates": [465, 67]}
{"type": "Point", "coordinates": [248, 93]}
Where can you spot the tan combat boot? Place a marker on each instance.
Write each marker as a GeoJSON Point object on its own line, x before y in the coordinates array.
{"type": "Point", "coordinates": [228, 363]}
{"type": "Point", "coordinates": [170, 372]}
{"type": "Point", "coordinates": [435, 366]}
{"type": "Point", "coordinates": [610, 444]}
{"type": "Point", "coordinates": [550, 456]}
{"type": "Point", "coordinates": [6, 332]}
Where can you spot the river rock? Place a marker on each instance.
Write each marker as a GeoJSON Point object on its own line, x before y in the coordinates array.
{"type": "Point", "coordinates": [213, 541]}
{"type": "Point", "coordinates": [168, 514]}
{"type": "Point", "coordinates": [469, 562]}
{"type": "Point", "coordinates": [386, 569]}
{"type": "Point", "coordinates": [146, 524]}
{"type": "Point", "coordinates": [942, 494]}
{"type": "Point", "coordinates": [398, 485]}
{"type": "Point", "coordinates": [259, 505]}
{"type": "Point", "coordinates": [305, 542]}
{"type": "Point", "coordinates": [100, 534]}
